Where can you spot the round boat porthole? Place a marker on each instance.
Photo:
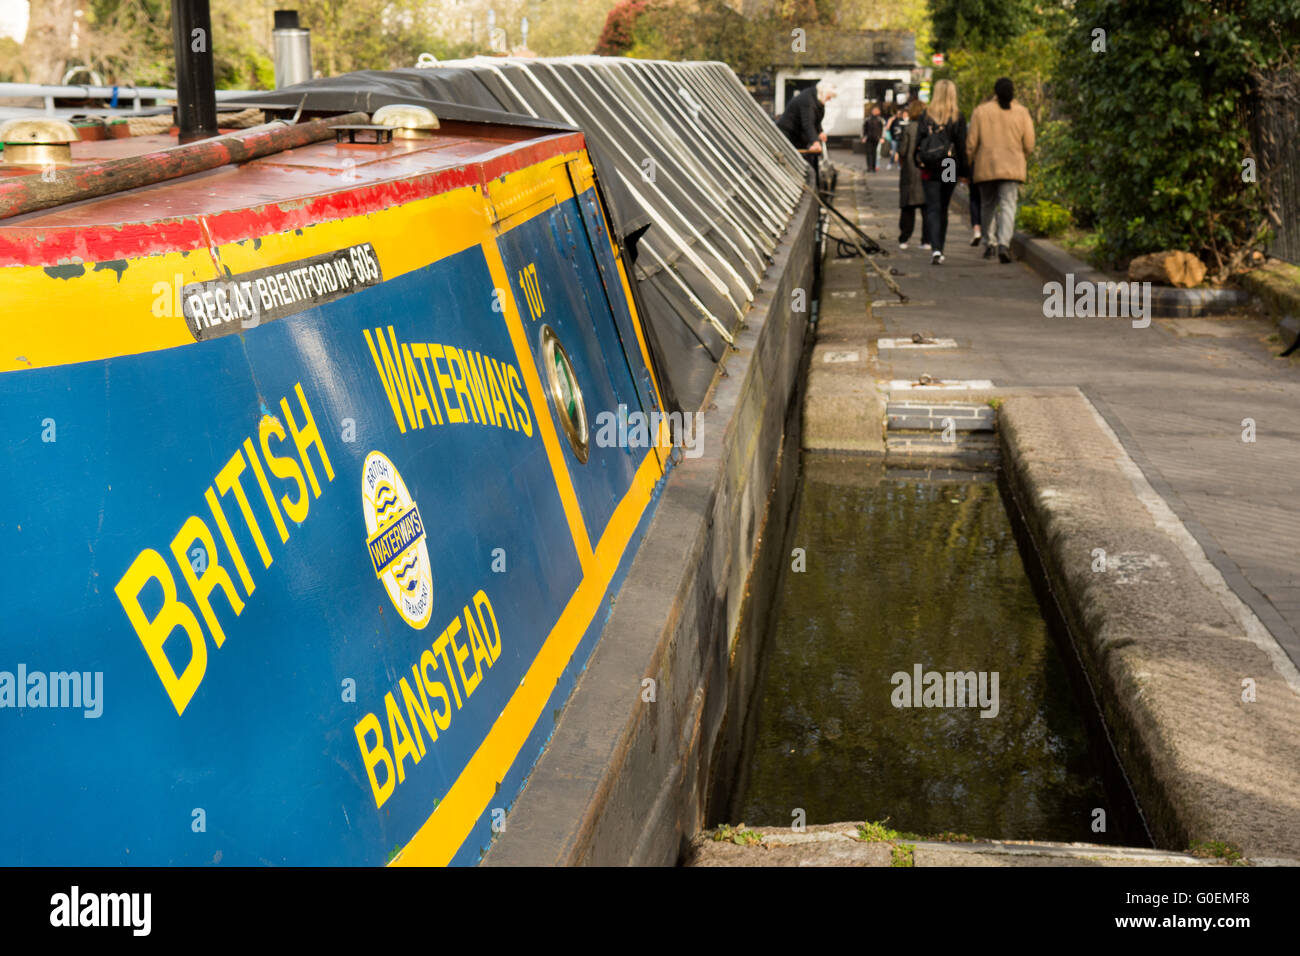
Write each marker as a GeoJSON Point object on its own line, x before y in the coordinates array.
{"type": "Point", "coordinates": [562, 383]}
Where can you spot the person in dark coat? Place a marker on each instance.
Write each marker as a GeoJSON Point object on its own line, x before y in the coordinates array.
{"type": "Point", "coordinates": [939, 181]}
{"type": "Point", "coordinates": [911, 193]}
{"type": "Point", "coordinates": [873, 127]}
{"type": "Point", "coordinates": [802, 121]}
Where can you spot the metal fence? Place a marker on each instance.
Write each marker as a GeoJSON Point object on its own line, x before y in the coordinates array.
{"type": "Point", "coordinates": [1274, 116]}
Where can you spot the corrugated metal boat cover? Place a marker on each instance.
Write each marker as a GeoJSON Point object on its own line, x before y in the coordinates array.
{"type": "Point", "coordinates": [682, 147]}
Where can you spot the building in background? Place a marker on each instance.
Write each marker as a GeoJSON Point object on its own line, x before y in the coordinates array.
{"type": "Point", "coordinates": [865, 66]}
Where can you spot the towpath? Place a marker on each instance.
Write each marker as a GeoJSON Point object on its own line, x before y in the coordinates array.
{"type": "Point", "coordinates": [1177, 393]}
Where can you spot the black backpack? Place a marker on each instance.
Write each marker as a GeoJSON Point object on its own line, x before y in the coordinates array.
{"type": "Point", "coordinates": [934, 148]}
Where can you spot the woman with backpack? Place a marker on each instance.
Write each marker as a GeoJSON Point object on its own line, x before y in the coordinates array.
{"type": "Point", "coordinates": [911, 194]}
{"type": "Point", "coordinates": [940, 155]}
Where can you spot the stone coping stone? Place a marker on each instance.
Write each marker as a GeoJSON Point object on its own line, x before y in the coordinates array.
{"type": "Point", "coordinates": [838, 844]}
{"type": "Point", "coordinates": [1277, 285]}
{"type": "Point", "coordinates": [960, 385]}
{"type": "Point", "coordinates": [843, 405]}
{"type": "Point", "coordinates": [1169, 649]}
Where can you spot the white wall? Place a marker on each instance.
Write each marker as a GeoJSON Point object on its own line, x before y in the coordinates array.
{"type": "Point", "coordinates": [844, 113]}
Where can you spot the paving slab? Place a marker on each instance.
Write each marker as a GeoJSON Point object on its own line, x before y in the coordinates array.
{"type": "Point", "coordinates": [845, 406]}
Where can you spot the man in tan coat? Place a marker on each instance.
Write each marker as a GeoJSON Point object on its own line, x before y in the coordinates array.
{"type": "Point", "coordinates": [1000, 139]}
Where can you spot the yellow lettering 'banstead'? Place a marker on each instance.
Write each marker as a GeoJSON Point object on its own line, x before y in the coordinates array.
{"type": "Point", "coordinates": [432, 708]}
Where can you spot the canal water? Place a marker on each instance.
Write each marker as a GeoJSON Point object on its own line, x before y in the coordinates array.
{"type": "Point", "coordinates": [893, 581]}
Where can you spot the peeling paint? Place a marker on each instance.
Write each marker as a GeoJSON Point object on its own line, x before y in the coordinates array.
{"type": "Point", "coordinates": [68, 270]}
{"type": "Point", "coordinates": [117, 265]}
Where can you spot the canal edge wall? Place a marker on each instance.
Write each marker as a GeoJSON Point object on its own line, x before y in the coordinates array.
{"type": "Point", "coordinates": [625, 780]}
{"type": "Point", "coordinates": [1168, 647]}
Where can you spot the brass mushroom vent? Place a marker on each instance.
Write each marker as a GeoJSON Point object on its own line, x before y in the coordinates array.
{"type": "Point", "coordinates": [37, 142]}
{"type": "Point", "coordinates": [407, 122]}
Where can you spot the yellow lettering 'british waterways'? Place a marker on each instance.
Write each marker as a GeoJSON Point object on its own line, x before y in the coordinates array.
{"type": "Point", "coordinates": [428, 383]}
{"type": "Point", "coordinates": [204, 566]}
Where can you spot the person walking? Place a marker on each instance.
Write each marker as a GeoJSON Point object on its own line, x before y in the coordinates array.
{"type": "Point", "coordinates": [802, 122]}
{"type": "Point", "coordinates": [896, 124]}
{"type": "Point", "coordinates": [873, 127]}
{"type": "Point", "coordinates": [911, 193]}
{"type": "Point", "coordinates": [940, 155]}
{"type": "Point", "coordinates": [974, 206]}
{"type": "Point", "coordinates": [1000, 141]}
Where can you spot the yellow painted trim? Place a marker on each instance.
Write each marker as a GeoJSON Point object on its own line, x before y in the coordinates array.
{"type": "Point", "coordinates": [109, 312]}
{"type": "Point", "coordinates": [406, 237]}
{"type": "Point", "coordinates": [529, 192]}
{"type": "Point", "coordinates": [636, 324]}
{"type": "Point", "coordinates": [106, 313]}
{"type": "Point", "coordinates": [585, 175]}
{"type": "Point", "coordinates": [541, 406]}
{"type": "Point", "coordinates": [442, 834]}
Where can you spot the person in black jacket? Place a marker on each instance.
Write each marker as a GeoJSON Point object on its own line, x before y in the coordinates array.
{"type": "Point", "coordinates": [942, 129]}
{"type": "Point", "coordinates": [802, 121]}
{"type": "Point", "coordinates": [911, 192]}
{"type": "Point", "coordinates": [873, 127]}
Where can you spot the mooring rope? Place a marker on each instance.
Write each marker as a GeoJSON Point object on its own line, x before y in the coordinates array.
{"type": "Point", "coordinates": [862, 250]}
{"type": "Point", "coordinates": [153, 125]}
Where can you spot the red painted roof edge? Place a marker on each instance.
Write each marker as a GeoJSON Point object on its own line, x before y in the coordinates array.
{"type": "Point", "coordinates": [51, 245]}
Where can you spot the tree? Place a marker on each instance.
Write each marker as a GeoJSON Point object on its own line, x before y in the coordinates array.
{"type": "Point", "coordinates": [1028, 60]}
{"type": "Point", "coordinates": [11, 54]}
{"type": "Point", "coordinates": [977, 23]}
{"type": "Point", "coordinates": [129, 41]}
{"type": "Point", "coordinates": [51, 27]}
{"type": "Point", "coordinates": [702, 30]}
{"type": "Point", "coordinates": [616, 37]}
{"type": "Point", "coordinates": [1156, 127]}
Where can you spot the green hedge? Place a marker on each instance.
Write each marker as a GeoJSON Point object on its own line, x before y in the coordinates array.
{"type": "Point", "coordinates": [1043, 218]}
{"type": "Point", "coordinates": [1156, 138]}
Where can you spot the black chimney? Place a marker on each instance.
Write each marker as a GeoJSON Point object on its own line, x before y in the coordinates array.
{"type": "Point", "coordinates": [196, 88]}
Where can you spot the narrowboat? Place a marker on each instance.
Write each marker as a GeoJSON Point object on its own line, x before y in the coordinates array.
{"type": "Point", "coordinates": [311, 513]}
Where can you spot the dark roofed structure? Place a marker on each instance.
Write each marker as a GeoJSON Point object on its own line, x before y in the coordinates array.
{"type": "Point", "coordinates": [828, 46]}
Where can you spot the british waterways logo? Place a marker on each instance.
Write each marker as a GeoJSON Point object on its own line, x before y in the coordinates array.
{"type": "Point", "coordinates": [396, 540]}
